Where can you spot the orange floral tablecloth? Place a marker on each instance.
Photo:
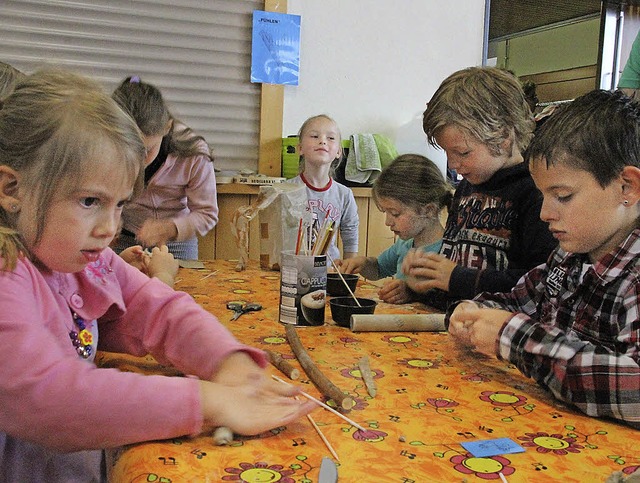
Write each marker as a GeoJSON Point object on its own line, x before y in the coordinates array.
{"type": "Point", "coordinates": [431, 397]}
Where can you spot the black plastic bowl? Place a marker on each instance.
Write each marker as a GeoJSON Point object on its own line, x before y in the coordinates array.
{"type": "Point", "coordinates": [342, 308]}
{"type": "Point", "coordinates": [337, 288]}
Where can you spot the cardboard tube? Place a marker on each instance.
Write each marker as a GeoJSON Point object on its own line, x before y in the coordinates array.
{"type": "Point", "coordinates": [397, 323]}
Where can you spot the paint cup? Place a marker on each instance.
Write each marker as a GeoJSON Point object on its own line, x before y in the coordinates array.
{"type": "Point", "coordinates": [303, 289]}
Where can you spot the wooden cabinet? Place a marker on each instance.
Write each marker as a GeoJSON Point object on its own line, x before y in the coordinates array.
{"type": "Point", "coordinates": [374, 236]}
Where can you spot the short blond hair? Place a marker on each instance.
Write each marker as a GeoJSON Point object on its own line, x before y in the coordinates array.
{"type": "Point", "coordinates": [486, 102]}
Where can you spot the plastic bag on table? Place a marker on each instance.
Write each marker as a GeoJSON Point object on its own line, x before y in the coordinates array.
{"type": "Point", "coordinates": [280, 208]}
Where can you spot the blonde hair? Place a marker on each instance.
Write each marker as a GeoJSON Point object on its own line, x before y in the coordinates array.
{"type": "Point", "coordinates": [486, 102]}
{"type": "Point", "coordinates": [53, 128]}
{"type": "Point", "coordinates": [303, 130]}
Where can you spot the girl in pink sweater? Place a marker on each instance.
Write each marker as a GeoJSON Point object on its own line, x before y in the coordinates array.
{"type": "Point", "coordinates": [69, 161]}
{"type": "Point", "coordinates": [178, 201]}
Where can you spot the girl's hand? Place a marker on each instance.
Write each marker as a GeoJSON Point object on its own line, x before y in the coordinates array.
{"type": "Point", "coordinates": [157, 232]}
{"type": "Point", "coordinates": [135, 257]}
{"type": "Point", "coordinates": [425, 271]}
{"type": "Point", "coordinates": [477, 327]}
{"type": "Point", "coordinates": [253, 407]}
{"type": "Point", "coordinates": [394, 292]}
{"type": "Point", "coordinates": [244, 398]}
{"type": "Point", "coordinates": [162, 265]}
{"type": "Point", "coordinates": [351, 265]}
{"type": "Point", "coordinates": [240, 369]}
{"type": "Point", "coordinates": [237, 368]}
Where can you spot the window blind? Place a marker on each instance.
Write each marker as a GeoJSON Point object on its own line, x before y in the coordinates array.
{"type": "Point", "coordinates": [197, 52]}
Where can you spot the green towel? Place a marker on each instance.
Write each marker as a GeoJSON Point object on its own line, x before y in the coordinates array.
{"type": "Point", "coordinates": [386, 150]}
{"type": "Point", "coordinates": [368, 154]}
{"type": "Point", "coordinates": [363, 159]}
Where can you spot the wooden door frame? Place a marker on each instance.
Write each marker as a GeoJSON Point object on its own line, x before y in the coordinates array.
{"type": "Point", "coordinates": [271, 115]}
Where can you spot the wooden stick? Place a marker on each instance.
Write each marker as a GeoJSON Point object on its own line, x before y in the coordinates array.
{"type": "Point", "coordinates": [327, 241]}
{"type": "Point", "coordinates": [323, 437]}
{"type": "Point", "coordinates": [210, 274]}
{"type": "Point", "coordinates": [343, 280]}
{"type": "Point", "coordinates": [320, 403]}
{"type": "Point", "coordinates": [282, 365]}
{"type": "Point", "coordinates": [299, 237]}
{"type": "Point", "coordinates": [367, 376]}
{"type": "Point", "coordinates": [320, 235]}
{"type": "Point", "coordinates": [324, 385]}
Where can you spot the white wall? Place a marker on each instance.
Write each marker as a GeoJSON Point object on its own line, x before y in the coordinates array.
{"type": "Point", "coordinates": [372, 65]}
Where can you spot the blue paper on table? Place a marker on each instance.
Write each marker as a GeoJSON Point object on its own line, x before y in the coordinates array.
{"type": "Point", "coordinates": [492, 447]}
{"type": "Point", "coordinates": [275, 48]}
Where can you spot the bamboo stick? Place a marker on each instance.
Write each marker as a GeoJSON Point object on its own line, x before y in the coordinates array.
{"type": "Point", "coordinates": [328, 408]}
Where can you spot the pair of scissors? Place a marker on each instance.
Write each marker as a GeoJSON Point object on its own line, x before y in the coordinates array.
{"type": "Point", "coordinates": [240, 308]}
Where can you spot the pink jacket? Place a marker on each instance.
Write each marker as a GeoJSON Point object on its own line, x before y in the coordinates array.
{"type": "Point", "coordinates": [52, 397]}
{"type": "Point", "coordinates": [183, 189]}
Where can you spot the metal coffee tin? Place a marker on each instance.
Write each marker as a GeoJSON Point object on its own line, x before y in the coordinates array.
{"type": "Point", "coordinates": [303, 289]}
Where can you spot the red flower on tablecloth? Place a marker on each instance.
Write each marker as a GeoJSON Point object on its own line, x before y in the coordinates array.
{"type": "Point", "coordinates": [486, 468]}
{"type": "Point", "coordinates": [420, 363]}
{"type": "Point", "coordinates": [349, 340]}
{"type": "Point", "coordinates": [476, 378]}
{"type": "Point", "coordinates": [442, 402]}
{"type": "Point", "coordinates": [370, 435]}
{"type": "Point", "coordinates": [629, 470]}
{"type": "Point", "coordinates": [259, 472]}
{"type": "Point", "coordinates": [551, 443]}
{"type": "Point", "coordinates": [503, 398]}
{"type": "Point", "coordinates": [359, 404]}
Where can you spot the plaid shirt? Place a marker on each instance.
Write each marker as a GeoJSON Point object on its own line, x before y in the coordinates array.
{"type": "Point", "coordinates": [580, 339]}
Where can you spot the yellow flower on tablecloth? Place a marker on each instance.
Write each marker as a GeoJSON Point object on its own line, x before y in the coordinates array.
{"type": "Point", "coordinates": [258, 473]}
{"type": "Point", "coordinates": [551, 443]}
{"type": "Point", "coordinates": [485, 468]}
{"type": "Point", "coordinates": [420, 363]}
{"type": "Point", "coordinates": [503, 398]}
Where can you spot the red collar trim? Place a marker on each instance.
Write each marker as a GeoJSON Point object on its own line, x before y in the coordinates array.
{"type": "Point", "coordinates": [311, 187]}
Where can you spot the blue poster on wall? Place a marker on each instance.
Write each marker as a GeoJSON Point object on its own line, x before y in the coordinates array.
{"type": "Point", "coordinates": [275, 48]}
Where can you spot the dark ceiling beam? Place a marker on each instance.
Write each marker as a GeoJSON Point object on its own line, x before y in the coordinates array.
{"type": "Point", "coordinates": [509, 17]}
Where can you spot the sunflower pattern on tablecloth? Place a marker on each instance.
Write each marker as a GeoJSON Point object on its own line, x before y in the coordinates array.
{"type": "Point", "coordinates": [431, 396]}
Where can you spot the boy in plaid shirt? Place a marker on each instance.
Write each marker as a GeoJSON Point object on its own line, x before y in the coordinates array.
{"type": "Point", "coordinates": [573, 324]}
